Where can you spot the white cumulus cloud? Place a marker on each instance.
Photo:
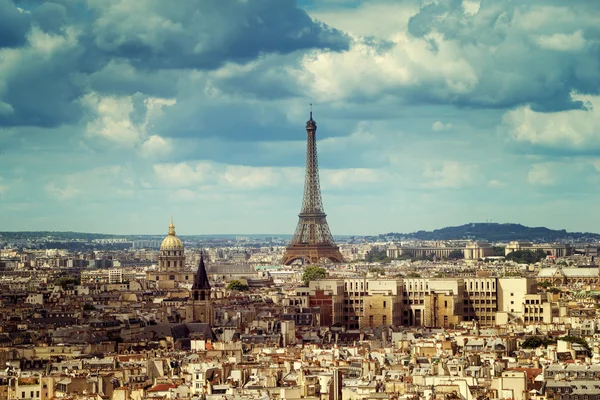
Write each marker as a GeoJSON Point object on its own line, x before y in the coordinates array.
{"type": "Point", "coordinates": [439, 126]}
{"type": "Point", "coordinates": [542, 174]}
{"type": "Point", "coordinates": [562, 41]}
{"type": "Point", "coordinates": [183, 174]}
{"type": "Point", "coordinates": [121, 123]}
{"type": "Point", "coordinates": [573, 129]}
{"type": "Point", "coordinates": [157, 147]}
{"type": "Point", "coordinates": [451, 175]}
{"type": "Point", "coordinates": [351, 177]}
{"type": "Point", "coordinates": [66, 192]}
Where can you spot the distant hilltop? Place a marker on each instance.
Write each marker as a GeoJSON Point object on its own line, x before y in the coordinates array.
{"type": "Point", "coordinates": [494, 232]}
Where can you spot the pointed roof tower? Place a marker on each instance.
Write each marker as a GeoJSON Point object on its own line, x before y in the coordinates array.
{"type": "Point", "coordinates": [201, 278]}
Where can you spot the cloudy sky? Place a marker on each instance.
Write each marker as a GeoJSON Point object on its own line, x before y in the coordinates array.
{"type": "Point", "coordinates": [115, 114]}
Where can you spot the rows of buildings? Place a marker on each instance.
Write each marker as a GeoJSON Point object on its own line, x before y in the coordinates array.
{"type": "Point", "coordinates": [171, 327]}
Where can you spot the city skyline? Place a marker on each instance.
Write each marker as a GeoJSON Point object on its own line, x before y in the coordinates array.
{"type": "Point", "coordinates": [113, 117]}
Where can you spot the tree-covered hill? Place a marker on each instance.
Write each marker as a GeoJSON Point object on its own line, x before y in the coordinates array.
{"type": "Point", "coordinates": [495, 232]}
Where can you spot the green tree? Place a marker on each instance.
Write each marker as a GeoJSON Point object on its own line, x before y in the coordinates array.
{"type": "Point", "coordinates": [377, 255]}
{"type": "Point", "coordinates": [577, 339]}
{"type": "Point", "coordinates": [413, 275]}
{"type": "Point", "coordinates": [456, 255]}
{"type": "Point", "coordinates": [499, 251]}
{"type": "Point", "coordinates": [237, 285]}
{"type": "Point", "coordinates": [526, 256]}
{"type": "Point", "coordinates": [377, 270]}
{"type": "Point", "coordinates": [66, 281]}
{"type": "Point", "coordinates": [533, 342]}
{"type": "Point", "coordinates": [313, 273]}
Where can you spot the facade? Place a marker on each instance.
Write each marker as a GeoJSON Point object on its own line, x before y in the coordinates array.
{"type": "Point", "coordinates": [556, 250]}
{"type": "Point", "coordinates": [368, 303]}
{"type": "Point", "coordinates": [538, 309]}
{"type": "Point", "coordinates": [481, 300]}
{"type": "Point", "coordinates": [560, 276]}
{"type": "Point", "coordinates": [478, 250]}
{"type": "Point", "coordinates": [422, 251]}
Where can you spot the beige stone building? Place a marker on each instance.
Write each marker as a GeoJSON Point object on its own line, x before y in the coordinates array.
{"type": "Point", "coordinates": [478, 250]}
{"type": "Point", "coordinates": [556, 250]}
{"type": "Point", "coordinates": [444, 302]}
{"type": "Point", "coordinates": [441, 251]}
{"type": "Point", "coordinates": [560, 276]}
{"type": "Point", "coordinates": [382, 303]}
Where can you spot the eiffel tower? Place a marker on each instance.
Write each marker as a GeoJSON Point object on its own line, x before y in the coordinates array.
{"type": "Point", "coordinates": [312, 240]}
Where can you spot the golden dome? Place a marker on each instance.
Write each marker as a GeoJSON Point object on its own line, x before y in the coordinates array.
{"type": "Point", "coordinates": [171, 242]}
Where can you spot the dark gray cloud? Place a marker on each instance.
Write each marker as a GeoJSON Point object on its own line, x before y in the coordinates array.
{"type": "Point", "coordinates": [537, 58]}
{"type": "Point", "coordinates": [43, 89]}
{"type": "Point", "coordinates": [200, 117]}
{"type": "Point", "coordinates": [50, 17]}
{"type": "Point", "coordinates": [121, 48]}
{"type": "Point", "coordinates": [14, 25]}
{"type": "Point", "coordinates": [205, 34]}
{"type": "Point", "coordinates": [121, 78]}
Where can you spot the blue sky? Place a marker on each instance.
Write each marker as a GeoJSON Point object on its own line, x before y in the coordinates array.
{"type": "Point", "coordinates": [114, 115]}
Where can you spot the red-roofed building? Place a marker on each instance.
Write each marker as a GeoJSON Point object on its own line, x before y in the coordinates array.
{"type": "Point", "coordinates": [162, 389]}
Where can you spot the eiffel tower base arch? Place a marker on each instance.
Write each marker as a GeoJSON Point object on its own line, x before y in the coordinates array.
{"type": "Point", "coordinates": [312, 253]}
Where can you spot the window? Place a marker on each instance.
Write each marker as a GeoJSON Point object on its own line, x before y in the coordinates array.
{"type": "Point", "coordinates": [445, 304]}
{"type": "Point", "coordinates": [512, 294]}
{"type": "Point", "coordinates": [370, 320]}
{"type": "Point", "coordinates": [384, 319]}
{"type": "Point", "coordinates": [384, 304]}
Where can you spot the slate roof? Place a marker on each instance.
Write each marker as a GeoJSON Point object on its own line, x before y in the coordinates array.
{"type": "Point", "coordinates": [201, 277]}
{"type": "Point", "coordinates": [178, 331]}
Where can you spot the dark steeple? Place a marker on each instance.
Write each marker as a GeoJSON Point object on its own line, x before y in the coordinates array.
{"type": "Point", "coordinates": [201, 284]}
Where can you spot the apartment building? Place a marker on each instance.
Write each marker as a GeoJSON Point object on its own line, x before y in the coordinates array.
{"type": "Point", "coordinates": [366, 303]}
{"type": "Point", "coordinates": [481, 300]}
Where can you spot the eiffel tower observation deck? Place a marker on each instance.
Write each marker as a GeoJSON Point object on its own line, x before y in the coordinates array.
{"type": "Point", "coordinates": [312, 241]}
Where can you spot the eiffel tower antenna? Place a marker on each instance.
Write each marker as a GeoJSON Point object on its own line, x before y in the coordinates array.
{"type": "Point", "coordinates": [312, 240]}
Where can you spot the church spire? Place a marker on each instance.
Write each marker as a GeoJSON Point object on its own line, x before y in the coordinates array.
{"type": "Point", "coordinates": [201, 282]}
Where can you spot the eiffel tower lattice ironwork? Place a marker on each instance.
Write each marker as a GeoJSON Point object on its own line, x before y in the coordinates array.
{"type": "Point", "coordinates": [312, 240]}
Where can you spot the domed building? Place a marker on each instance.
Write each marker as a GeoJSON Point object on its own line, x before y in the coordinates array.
{"type": "Point", "coordinates": [171, 263]}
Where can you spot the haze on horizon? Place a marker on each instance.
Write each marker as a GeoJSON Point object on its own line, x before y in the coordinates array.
{"type": "Point", "coordinates": [114, 116]}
